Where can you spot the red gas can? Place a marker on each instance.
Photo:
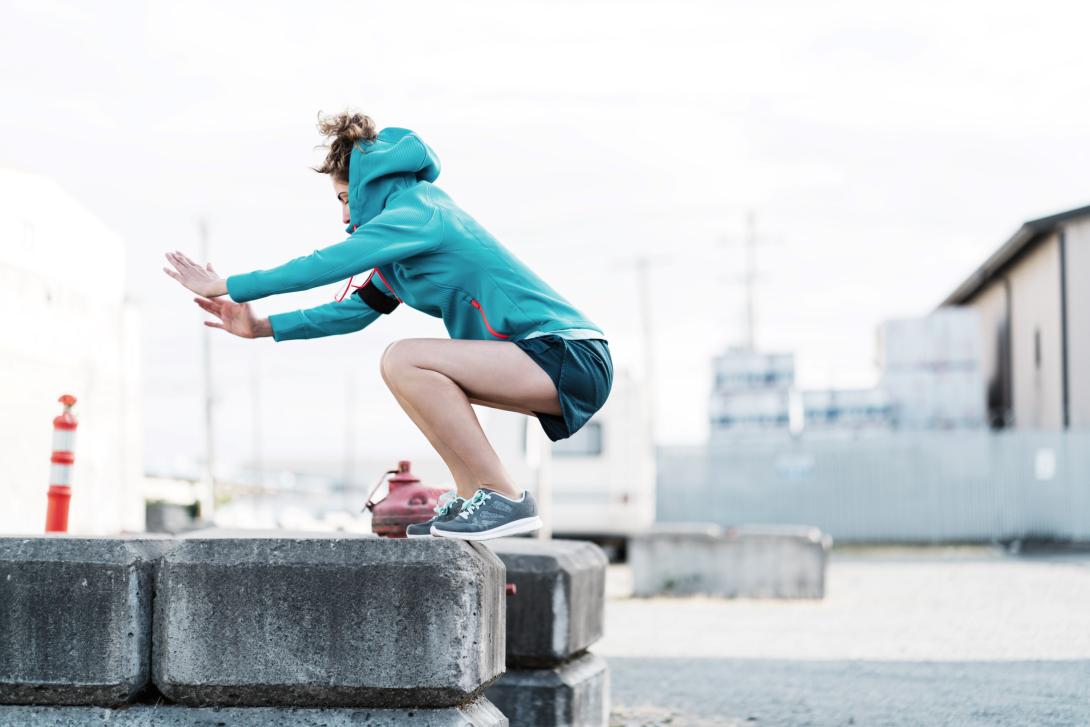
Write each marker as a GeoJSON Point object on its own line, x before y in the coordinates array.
{"type": "Point", "coordinates": [407, 502]}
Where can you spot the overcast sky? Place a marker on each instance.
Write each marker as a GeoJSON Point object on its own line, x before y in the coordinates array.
{"type": "Point", "coordinates": [885, 148]}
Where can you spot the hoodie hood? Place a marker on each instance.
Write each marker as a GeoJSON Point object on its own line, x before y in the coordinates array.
{"type": "Point", "coordinates": [396, 159]}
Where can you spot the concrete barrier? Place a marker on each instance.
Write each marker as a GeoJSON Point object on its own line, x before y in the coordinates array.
{"type": "Point", "coordinates": [320, 621]}
{"type": "Point", "coordinates": [573, 694]}
{"type": "Point", "coordinates": [75, 618]}
{"type": "Point", "coordinates": [559, 606]}
{"type": "Point", "coordinates": [558, 611]}
{"type": "Point", "coordinates": [741, 562]}
{"type": "Point", "coordinates": [479, 713]}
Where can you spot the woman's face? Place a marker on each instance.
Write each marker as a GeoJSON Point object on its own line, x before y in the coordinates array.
{"type": "Point", "coordinates": [341, 188]}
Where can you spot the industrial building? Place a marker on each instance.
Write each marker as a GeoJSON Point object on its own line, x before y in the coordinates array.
{"type": "Point", "coordinates": [1034, 307]}
{"type": "Point", "coordinates": [930, 380]}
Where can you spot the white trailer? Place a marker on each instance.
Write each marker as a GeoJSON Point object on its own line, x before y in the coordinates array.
{"type": "Point", "coordinates": [600, 482]}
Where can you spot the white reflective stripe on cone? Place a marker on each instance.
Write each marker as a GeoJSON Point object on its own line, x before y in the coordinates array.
{"type": "Point", "coordinates": [60, 474]}
{"type": "Point", "coordinates": [64, 440]}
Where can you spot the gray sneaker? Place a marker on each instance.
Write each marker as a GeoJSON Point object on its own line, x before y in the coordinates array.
{"type": "Point", "coordinates": [488, 514]}
{"type": "Point", "coordinates": [448, 506]}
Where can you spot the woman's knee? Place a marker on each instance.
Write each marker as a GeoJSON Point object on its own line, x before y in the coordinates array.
{"type": "Point", "coordinates": [386, 364]}
{"type": "Point", "coordinates": [395, 359]}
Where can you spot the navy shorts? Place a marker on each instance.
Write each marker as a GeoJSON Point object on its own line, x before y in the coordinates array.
{"type": "Point", "coordinates": [582, 370]}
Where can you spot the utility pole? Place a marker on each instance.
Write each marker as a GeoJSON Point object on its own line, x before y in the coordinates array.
{"type": "Point", "coordinates": [749, 279]}
{"type": "Point", "coordinates": [643, 265]}
{"type": "Point", "coordinates": [348, 465]}
{"type": "Point", "coordinates": [255, 414]}
{"type": "Point", "coordinates": [647, 335]}
{"type": "Point", "coordinates": [209, 419]}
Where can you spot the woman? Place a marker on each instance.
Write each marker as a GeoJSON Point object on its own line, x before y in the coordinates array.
{"type": "Point", "coordinates": [516, 343]}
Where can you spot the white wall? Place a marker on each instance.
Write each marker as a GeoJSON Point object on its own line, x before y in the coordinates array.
{"type": "Point", "coordinates": [1078, 322]}
{"type": "Point", "coordinates": [67, 330]}
{"type": "Point", "coordinates": [1035, 306]}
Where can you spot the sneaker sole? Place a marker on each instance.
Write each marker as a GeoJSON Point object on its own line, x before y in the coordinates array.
{"type": "Point", "coordinates": [421, 535]}
{"type": "Point", "coordinates": [515, 527]}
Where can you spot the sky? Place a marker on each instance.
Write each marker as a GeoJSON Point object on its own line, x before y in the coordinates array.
{"type": "Point", "coordinates": [884, 149]}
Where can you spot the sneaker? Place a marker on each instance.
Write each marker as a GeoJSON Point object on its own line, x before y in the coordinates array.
{"type": "Point", "coordinates": [488, 514]}
{"type": "Point", "coordinates": [448, 506]}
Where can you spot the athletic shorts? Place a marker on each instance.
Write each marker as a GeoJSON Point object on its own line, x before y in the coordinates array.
{"type": "Point", "coordinates": [582, 370]}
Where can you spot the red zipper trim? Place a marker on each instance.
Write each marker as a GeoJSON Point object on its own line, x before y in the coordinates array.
{"type": "Point", "coordinates": [477, 305]}
{"type": "Point", "coordinates": [399, 300]}
{"type": "Point", "coordinates": [348, 286]}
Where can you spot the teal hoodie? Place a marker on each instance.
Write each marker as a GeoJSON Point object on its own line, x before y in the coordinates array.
{"type": "Point", "coordinates": [427, 252]}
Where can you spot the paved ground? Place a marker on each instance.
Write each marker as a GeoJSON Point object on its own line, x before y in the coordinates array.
{"type": "Point", "coordinates": [903, 637]}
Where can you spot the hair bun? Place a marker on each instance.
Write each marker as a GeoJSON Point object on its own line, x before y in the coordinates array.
{"type": "Point", "coordinates": [347, 127]}
{"type": "Point", "coordinates": [343, 131]}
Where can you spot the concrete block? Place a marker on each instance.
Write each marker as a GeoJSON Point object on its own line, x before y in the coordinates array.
{"type": "Point", "coordinates": [574, 694]}
{"type": "Point", "coordinates": [321, 621]}
{"type": "Point", "coordinates": [765, 561]}
{"type": "Point", "coordinates": [75, 618]}
{"type": "Point", "coordinates": [478, 713]}
{"type": "Point", "coordinates": [559, 606]}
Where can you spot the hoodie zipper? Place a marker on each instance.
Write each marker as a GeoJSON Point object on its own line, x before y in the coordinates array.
{"type": "Point", "coordinates": [477, 305]}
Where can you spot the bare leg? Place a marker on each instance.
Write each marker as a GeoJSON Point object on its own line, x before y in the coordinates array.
{"type": "Point", "coordinates": [463, 478]}
{"type": "Point", "coordinates": [439, 378]}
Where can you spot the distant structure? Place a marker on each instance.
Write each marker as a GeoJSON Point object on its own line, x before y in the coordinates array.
{"type": "Point", "coordinates": [931, 379]}
{"type": "Point", "coordinates": [751, 392]}
{"type": "Point", "coordinates": [68, 329]}
{"type": "Point", "coordinates": [1034, 306]}
{"type": "Point", "coordinates": [856, 410]}
{"type": "Point", "coordinates": [931, 370]}
{"type": "Point", "coordinates": [754, 393]}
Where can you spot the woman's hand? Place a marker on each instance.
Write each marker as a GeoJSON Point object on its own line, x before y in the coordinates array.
{"type": "Point", "coordinates": [236, 318]}
{"type": "Point", "coordinates": [202, 281]}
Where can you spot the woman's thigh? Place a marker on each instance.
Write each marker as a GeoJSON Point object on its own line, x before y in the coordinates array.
{"type": "Point", "coordinates": [492, 373]}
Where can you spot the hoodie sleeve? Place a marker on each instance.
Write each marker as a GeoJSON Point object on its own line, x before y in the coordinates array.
{"type": "Point", "coordinates": [330, 319]}
{"type": "Point", "coordinates": [394, 234]}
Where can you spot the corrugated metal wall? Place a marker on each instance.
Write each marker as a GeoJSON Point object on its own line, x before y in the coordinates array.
{"type": "Point", "coordinates": [904, 487]}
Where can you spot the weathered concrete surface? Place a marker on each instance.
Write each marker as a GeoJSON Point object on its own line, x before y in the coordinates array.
{"type": "Point", "coordinates": [904, 637]}
{"type": "Point", "coordinates": [742, 562]}
{"type": "Point", "coordinates": [559, 606]}
{"type": "Point", "coordinates": [320, 621]}
{"type": "Point", "coordinates": [574, 694]}
{"type": "Point", "coordinates": [75, 617]}
{"type": "Point", "coordinates": [479, 713]}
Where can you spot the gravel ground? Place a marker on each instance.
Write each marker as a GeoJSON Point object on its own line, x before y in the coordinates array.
{"type": "Point", "coordinates": [943, 636]}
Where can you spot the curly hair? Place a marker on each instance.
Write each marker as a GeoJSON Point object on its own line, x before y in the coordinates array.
{"type": "Point", "coordinates": [345, 129]}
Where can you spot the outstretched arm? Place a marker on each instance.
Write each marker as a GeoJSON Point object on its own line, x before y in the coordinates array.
{"type": "Point", "coordinates": [331, 319]}
{"type": "Point", "coordinates": [395, 234]}
{"type": "Point", "coordinates": [351, 314]}
{"type": "Point", "coordinates": [202, 281]}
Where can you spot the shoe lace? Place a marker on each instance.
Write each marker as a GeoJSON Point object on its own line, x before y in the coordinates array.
{"type": "Point", "coordinates": [445, 502]}
{"type": "Point", "coordinates": [475, 502]}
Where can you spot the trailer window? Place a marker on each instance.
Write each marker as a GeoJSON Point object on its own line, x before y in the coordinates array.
{"type": "Point", "coordinates": [587, 442]}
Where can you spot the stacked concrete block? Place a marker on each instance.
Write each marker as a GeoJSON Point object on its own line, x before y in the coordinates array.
{"type": "Point", "coordinates": [477, 713]}
{"type": "Point", "coordinates": [555, 614]}
{"type": "Point", "coordinates": [75, 618]}
{"type": "Point", "coordinates": [328, 622]}
{"type": "Point", "coordinates": [743, 562]}
{"type": "Point", "coordinates": [290, 629]}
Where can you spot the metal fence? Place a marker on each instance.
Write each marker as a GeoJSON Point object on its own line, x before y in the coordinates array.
{"type": "Point", "coordinates": [898, 487]}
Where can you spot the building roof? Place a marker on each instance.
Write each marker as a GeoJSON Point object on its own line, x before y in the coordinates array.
{"type": "Point", "coordinates": [1028, 235]}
